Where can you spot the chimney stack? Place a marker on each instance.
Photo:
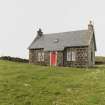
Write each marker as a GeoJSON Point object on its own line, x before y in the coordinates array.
{"type": "Point", "coordinates": [90, 26]}
{"type": "Point", "coordinates": [39, 32]}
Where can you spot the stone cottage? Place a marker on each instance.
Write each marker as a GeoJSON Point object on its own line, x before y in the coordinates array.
{"type": "Point", "coordinates": [74, 48]}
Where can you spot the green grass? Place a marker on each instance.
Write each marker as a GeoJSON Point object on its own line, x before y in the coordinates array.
{"type": "Point", "coordinates": [24, 84]}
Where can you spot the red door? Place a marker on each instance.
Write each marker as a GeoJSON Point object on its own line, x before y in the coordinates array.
{"type": "Point", "coordinates": [53, 58]}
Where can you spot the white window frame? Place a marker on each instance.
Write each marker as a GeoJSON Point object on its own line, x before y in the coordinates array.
{"type": "Point", "coordinates": [40, 56]}
{"type": "Point", "coordinates": [71, 55]}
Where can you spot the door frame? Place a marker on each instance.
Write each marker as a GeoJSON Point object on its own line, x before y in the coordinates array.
{"type": "Point", "coordinates": [51, 57]}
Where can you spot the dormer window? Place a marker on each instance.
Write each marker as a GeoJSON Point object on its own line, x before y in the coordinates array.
{"type": "Point", "coordinates": [56, 40]}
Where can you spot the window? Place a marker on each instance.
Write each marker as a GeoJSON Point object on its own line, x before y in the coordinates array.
{"type": "Point", "coordinates": [71, 55]}
{"type": "Point", "coordinates": [68, 55]}
{"type": "Point", "coordinates": [40, 56]}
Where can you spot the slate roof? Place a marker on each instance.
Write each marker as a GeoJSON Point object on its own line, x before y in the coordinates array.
{"type": "Point", "coordinates": [58, 41]}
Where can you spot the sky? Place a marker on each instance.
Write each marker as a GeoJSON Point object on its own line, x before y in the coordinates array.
{"type": "Point", "coordinates": [20, 20]}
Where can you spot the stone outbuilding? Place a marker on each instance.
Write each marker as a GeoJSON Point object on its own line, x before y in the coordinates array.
{"type": "Point", "coordinates": [74, 48]}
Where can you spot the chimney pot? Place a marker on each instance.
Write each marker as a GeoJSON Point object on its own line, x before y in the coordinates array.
{"type": "Point", "coordinates": [39, 32]}
{"type": "Point", "coordinates": [90, 26]}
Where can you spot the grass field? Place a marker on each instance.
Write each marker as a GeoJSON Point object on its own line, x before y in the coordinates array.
{"type": "Point", "coordinates": [24, 84]}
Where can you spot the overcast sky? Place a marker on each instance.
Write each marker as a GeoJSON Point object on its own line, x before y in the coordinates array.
{"type": "Point", "coordinates": [20, 19]}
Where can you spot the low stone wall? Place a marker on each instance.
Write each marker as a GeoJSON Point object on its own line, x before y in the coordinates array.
{"type": "Point", "coordinates": [100, 60]}
{"type": "Point", "coordinates": [14, 59]}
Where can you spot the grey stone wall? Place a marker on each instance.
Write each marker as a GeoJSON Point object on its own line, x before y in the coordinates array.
{"type": "Point", "coordinates": [91, 53]}
{"type": "Point", "coordinates": [33, 57]}
{"type": "Point", "coordinates": [81, 57]}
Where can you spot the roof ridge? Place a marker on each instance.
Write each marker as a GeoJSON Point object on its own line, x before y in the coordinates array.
{"type": "Point", "coordinates": [66, 32]}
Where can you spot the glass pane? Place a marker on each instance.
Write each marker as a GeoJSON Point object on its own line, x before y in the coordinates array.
{"type": "Point", "coordinates": [73, 56]}
{"type": "Point", "coordinates": [39, 55]}
{"type": "Point", "coordinates": [68, 55]}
